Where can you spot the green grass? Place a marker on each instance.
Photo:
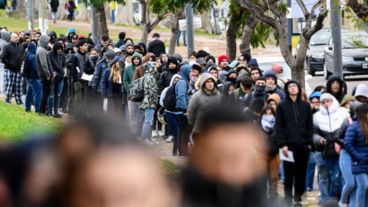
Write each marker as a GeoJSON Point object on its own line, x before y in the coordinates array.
{"type": "Point", "coordinates": [170, 167]}
{"type": "Point", "coordinates": [16, 124]}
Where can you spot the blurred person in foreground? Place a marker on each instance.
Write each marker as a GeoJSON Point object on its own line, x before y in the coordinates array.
{"type": "Point", "coordinates": [218, 174]}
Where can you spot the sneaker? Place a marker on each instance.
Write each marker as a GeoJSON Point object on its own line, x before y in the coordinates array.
{"type": "Point", "coordinates": [148, 142]}
{"type": "Point", "coordinates": [161, 133]}
{"type": "Point", "coordinates": [169, 139]}
{"type": "Point", "coordinates": [155, 134]}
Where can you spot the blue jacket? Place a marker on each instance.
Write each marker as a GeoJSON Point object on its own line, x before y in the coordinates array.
{"type": "Point", "coordinates": [354, 143]}
{"type": "Point", "coordinates": [31, 59]}
{"type": "Point", "coordinates": [181, 89]}
{"type": "Point", "coordinates": [101, 68]}
{"type": "Point", "coordinates": [108, 87]}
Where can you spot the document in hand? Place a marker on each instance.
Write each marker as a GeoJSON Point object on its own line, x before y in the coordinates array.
{"type": "Point", "coordinates": [289, 158]}
{"type": "Point", "coordinates": [86, 77]}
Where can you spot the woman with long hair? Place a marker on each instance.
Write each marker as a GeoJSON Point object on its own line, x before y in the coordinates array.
{"type": "Point", "coordinates": [112, 88]}
{"type": "Point", "coordinates": [356, 143]}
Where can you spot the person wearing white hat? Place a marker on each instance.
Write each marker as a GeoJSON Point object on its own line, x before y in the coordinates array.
{"type": "Point", "coordinates": [330, 123]}
{"type": "Point", "coordinates": [361, 93]}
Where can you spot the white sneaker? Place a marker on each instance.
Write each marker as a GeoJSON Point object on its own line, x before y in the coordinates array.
{"type": "Point", "coordinates": [155, 134]}
{"type": "Point", "coordinates": [148, 142]}
{"type": "Point", "coordinates": [169, 139]}
{"type": "Point", "coordinates": [161, 133]}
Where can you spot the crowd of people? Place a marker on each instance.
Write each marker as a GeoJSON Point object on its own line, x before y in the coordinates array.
{"type": "Point", "coordinates": [205, 106]}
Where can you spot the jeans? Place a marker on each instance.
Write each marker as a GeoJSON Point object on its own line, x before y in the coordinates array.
{"type": "Point", "coordinates": [349, 187]}
{"type": "Point", "coordinates": [113, 16]}
{"type": "Point", "coordinates": [54, 98]}
{"type": "Point", "coordinates": [184, 38]}
{"type": "Point", "coordinates": [33, 92]}
{"type": "Point", "coordinates": [147, 124]}
{"type": "Point", "coordinates": [362, 187]}
{"type": "Point", "coordinates": [329, 178]}
{"type": "Point", "coordinates": [310, 171]}
{"type": "Point", "coordinates": [136, 117]}
{"type": "Point", "coordinates": [173, 125]}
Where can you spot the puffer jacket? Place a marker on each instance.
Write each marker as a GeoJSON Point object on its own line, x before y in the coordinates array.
{"type": "Point", "coordinates": [356, 146]}
{"type": "Point", "coordinates": [330, 124]}
{"type": "Point", "coordinates": [201, 101]}
{"type": "Point", "coordinates": [150, 99]}
{"type": "Point", "coordinates": [43, 62]}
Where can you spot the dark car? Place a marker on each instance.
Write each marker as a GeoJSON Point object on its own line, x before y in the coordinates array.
{"type": "Point", "coordinates": [315, 52]}
{"type": "Point", "coordinates": [354, 55]}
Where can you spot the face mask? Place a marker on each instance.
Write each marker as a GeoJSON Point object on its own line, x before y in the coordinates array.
{"type": "Point", "coordinates": [260, 89]}
{"type": "Point", "coordinates": [94, 59]}
{"type": "Point", "coordinates": [268, 122]}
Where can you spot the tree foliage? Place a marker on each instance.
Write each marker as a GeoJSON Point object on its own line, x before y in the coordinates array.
{"type": "Point", "coordinates": [172, 6]}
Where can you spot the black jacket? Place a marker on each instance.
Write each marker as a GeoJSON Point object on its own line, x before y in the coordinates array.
{"type": "Point", "coordinates": [58, 62]}
{"type": "Point", "coordinates": [157, 47]}
{"type": "Point", "coordinates": [294, 122]}
{"type": "Point", "coordinates": [12, 55]}
{"type": "Point", "coordinates": [200, 192]}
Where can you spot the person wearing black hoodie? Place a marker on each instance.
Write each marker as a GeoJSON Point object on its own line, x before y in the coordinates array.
{"type": "Point", "coordinates": [294, 132]}
{"type": "Point", "coordinates": [218, 172]}
{"type": "Point", "coordinates": [336, 87]}
{"type": "Point", "coordinates": [165, 78]}
{"type": "Point", "coordinates": [58, 62]}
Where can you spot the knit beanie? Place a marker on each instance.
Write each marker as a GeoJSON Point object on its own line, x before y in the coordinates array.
{"type": "Point", "coordinates": [222, 58]}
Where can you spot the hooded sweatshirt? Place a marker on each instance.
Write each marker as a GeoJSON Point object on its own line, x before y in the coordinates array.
{"type": "Point", "coordinates": [330, 124]}
{"type": "Point", "coordinates": [31, 72]}
{"type": "Point", "coordinates": [129, 72]}
{"type": "Point", "coordinates": [167, 75]}
{"type": "Point", "coordinates": [200, 101]}
{"type": "Point", "coordinates": [4, 40]}
{"type": "Point", "coordinates": [342, 91]}
{"type": "Point", "coordinates": [150, 99]}
{"type": "Point", "coordinates": [43, 59]}
{"type": "Point", "coordinates": [294, 122]}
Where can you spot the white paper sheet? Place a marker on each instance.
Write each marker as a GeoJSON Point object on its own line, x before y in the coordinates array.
{"type": "Point", "coordinates": [86, 77]}
{"type": "Point", "coordinates": [289, 158]}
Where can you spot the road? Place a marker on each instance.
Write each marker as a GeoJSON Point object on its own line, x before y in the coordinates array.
{"type": "Point", "coordinates": [351, 82]}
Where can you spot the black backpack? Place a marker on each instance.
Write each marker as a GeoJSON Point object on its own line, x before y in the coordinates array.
{"type": "Point", "coordinates": [170, 99]}
{"type": "Point", "coordinates": [26, 69]}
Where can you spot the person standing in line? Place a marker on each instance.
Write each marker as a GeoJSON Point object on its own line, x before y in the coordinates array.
{"type": "Point", "coordinates": [32, 80]}
{"type": "Point", "coordinates": [294, 132]}
{"type": "Point", "coordinates": [45, 73]}
{"type": "Point", "coordinates": [58, 62]}
{"type": "Point", "coordinates": [111, 87]}
{"type": "Point", "coordinates": [12, 55]}
{"type": "Point", "coordinates": [355, 143]}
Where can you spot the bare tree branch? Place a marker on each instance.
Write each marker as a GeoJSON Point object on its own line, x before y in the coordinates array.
{"type": "Point", "coordinates": [257, 12]}
{"type": "Point", "coordinates": [319, 24]}
{"type": "Point", "coordinates": [303, 8]}
{"type": "Point", "coordinates": [361, 10]}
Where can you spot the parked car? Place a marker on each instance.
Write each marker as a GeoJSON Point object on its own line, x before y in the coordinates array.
{"type": "Point", "coordinates": [315, 52]}
{"type": "Point", "coordinates": [354, 55]}
{"type": "Point", "coordinates": [265, 64]}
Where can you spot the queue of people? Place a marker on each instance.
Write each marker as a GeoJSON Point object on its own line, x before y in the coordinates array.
{"type": "Point", "coordinates": [205, 107]}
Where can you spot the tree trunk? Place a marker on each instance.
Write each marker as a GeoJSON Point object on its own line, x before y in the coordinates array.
{"type": "Point", "coordinates": [147, 28]}
{"type": "Point", "coordinates": [174, 33]}
{"type": "Point", "coordinates": [244, 47]}
{"type": "Point", "coordinates": [101, 21]}
{"type": "Point", "coordinates": [231, 32]}
{"type": "Point", "coordinates": [145, 22]}
{"type": "Point", "coordinates": [21, 8]}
